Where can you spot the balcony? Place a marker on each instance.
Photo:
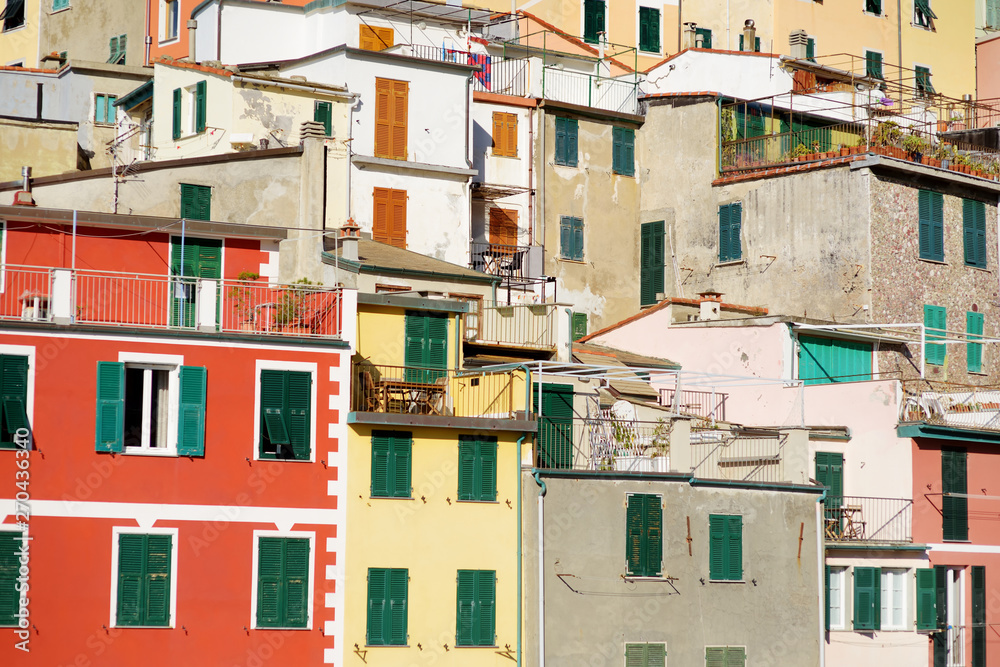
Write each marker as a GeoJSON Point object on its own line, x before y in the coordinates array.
{"type": "Point", "coordinates": [136, 300]}
{"type": "Point", "coordinates": [959, 406]}
{"type": "Point", "coordinates": [708, 406]}
{"type": "Point", "coordinates": [520, 325]}
{"type": "Point", "coordinates": [861, 519]}
{"type": "Point", "coordinates": [744, 455]}
{"type": "Point", "coordinates": [513, 263]}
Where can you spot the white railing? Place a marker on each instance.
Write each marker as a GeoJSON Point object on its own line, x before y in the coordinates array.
{"type": "Point", "coordinates": [520, 325]}
{"type": "Point", "coordinates": [24, 293]}
{"type": "Point", "coordinates": [302, 309]}
{"type": "Point", "coordinates": [590, 90]}
{"type": "Point", "coordinates": [753, 456]}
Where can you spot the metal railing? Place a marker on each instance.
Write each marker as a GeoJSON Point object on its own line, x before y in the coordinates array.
{"type": "Point", "coordinates": [435, 392]}
{"type": "Point", "coordinates": [954, 405]}
{"type": "Point", "coordinates": [25, 292]}
{"type": "Point", "coordinates": [134, 299]}
{"type": "Point", "coordinates": [741, 455]}
{"type": "Point", "coordinates": [602, 444]}
{"type": "Point", "coordinates": [709, 405]}
{"type": "Point", "coordinates": [864, 519]}
{"type": "Point", "coordinates": [519, 325]}
{"type": "Point", "coordinates": [590, 90]}
{"type": "Point", "coordinates": [509, 262]}
{"type": "Point", "coordinates": [301, 309]}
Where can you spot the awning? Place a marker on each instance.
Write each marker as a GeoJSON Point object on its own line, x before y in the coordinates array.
{"type": "Point", "coordinates": [136, 97]}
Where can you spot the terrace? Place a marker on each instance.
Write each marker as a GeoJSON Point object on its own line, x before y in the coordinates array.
{"type": "Point", "coordinates": [520, 325]}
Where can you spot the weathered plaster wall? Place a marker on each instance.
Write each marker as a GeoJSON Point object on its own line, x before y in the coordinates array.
{"type": "Point", "coordinates": [85, 28]}
{"type": "Point", "coordinates": [905, 283]}
{"type": "Point", "coordinates": [605, 285]}
{"type": "Point", "coordinates": [988, 69]}
{"type": "Point", "coordinates": [48, 148]}
{"type": "Point", "coordinates": [590, 615]}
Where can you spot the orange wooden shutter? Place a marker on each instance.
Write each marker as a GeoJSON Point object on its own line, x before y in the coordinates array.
{"type": "Point", "coordinates": [397, 219]}
{"type": "Point", "coordinates": [400, 95]}
{"type": "Point", "coordinates": [386, 37]}
{"type": "Point", "coordinates": [380, 217]}
{"type": "Point", "coordinates": [503, 226]}
{"type": "Point", "coordinates": [383, 118]}
{"type": "Point", "coordinates": [511, 135]}
{"type": "Point", "coordinates": [499, 127]}
{"type": "Point", "coordinates": [367, 40]}
{"type": "Point", "coordinates": [375, 39]}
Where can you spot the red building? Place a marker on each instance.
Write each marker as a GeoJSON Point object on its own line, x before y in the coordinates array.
{"type": "Point", "coordinates": [181, 491]}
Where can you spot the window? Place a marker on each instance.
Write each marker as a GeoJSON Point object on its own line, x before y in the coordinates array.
{"type": "Point", "coordinates": [644, 535]}
{"type": "Point", "coordinates": [825, 360]}
{"type": "Point", "coordinates": [830, 473]}
{"type": "Point", "coordinates": [922, 13]}
{"type": "Point", "coordinates": [392, 453]}
{"type": "Point", "coordinates": [706, 38]}
{"type": "Point", "coordinates": [566, 141]}
{"type": "Point", "coordinates": [578, 324]}
{"type": "Point", "coordinates": [10, 555]}
{"type": "Point", "coordinates": [477, 468]}
{"type": "Point", "coordinates": [623, 151]}
{"type": "Point", "coordinates": [992, 14]}
{"type": "Point", "coordinates": [974, 232]}
{"type": "Point", "coordinates": [425, 353]}
{"type": "Point", "coordinates": [14, 395]}
{"type": "Point", "coordinates": [282, 582]}
{"type": "Point", "coordinates": [191, 258]}
{"type": "Point", "coordinates": [13, 15]}
{"type": "Point", "coordinates": [153, 408]}
{"type": "Point", "coordinates": [477, 595]}
{"type": "Point", "coordinates": [936, 323]}
{"type": "Point", "coordinates": [176, 118]}
{"type": "Point", "coordinates": [200, 106]}
{"type": "Point", "coordinates": [504, 134]}
{"type": "Point", "coordinates": [873, 64]}
{"type": "Point", "coordinates": [117, 50]}
{"type": "Point", "coordinates": [978, 616]}
{"type": "Point", "coordinates": [59, 4]}
{"type": "Point", "coordinates": [649, 29]}
{"type": "Point", "coordinates": [170, 17]}
{"type": "Point", "coordinates": [954, 508]}
{"type": "Point", "coordinates": [593, 20]}
{"type": "Point", "coordinates": [503, 232]}
{"type": "Point", "coordinates": [730, 222]}
{"type": "Point", "coordinates": [926, 599]}
{"type": "Point", "coordinates": [323, 113]}
{"type": "Point", "coordinates": [811, 49]}
{"type": "Point", "coordinates": [893, 594]}
{"type": "Point", "coordinates": [756, 43]}
{"type": "Point", "coordinates": [923, 81]}
{"type": "Point", "coordinates": [651, 262]}
{"type": "Point", "coordinates": [725, 547]}
{"type": "Point", "coordinates": [571, 238]}
{"type": "Point", "coordinates": [974, 351]}
{"type": "Point", "coordinates": [285, 406]}
{"type": "Point", "coordinates": [645, 655]}
{"type": "Point", "coordinates": [725, 656]}
{"type": "Point", "coordinates": [143, 581]}
{"type": "Point", "coordinates": [196, 112]}
{"type": "Point", "coordinates": [391, 105]}
{"type": "Point", "coordinates": [867, 591]}
{"type": "Point", "coordinates": [555, 427]}
{"type": "Point", "coordinates": [873, 7]}
{"type": "Point", "coordinates": [104, 108]}
{"type": "Point", "coordinates": [389, 223]}
{"type": "Point", "coordinates": [387, 597]}
{"type": "Point", "coordinates": [374, 38]}
{"type": "Point", "coordinates": [196, 203]}
{"type": "Point", "coordinates": [931, 225]}
{"type": "Point", "coordinates": [835, 597]}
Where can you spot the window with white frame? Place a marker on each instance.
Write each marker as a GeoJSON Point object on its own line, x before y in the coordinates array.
{"type": "Point", "coordinates": [148, 405]}
{"type": "Point", "coordinates": [170, 18]}
{"type": "Point", "coordinates": [893, 596]}
{"type": "Point", "coordinates": [837, 611]}
{"type": "Point", "coordinates": [285, 403]}
{"type": "Point", "coordinates": [143, 577]}
{"type": "Point", "coordinates": [282, 596]}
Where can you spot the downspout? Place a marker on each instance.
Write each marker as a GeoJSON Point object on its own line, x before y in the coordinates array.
{"type": "Point", "coordinates": [569, 343]}
{"type": "Point", "coordinates": [218, 33]}
{"type": "Point", "coordinates": [541, 179]}
{"type": "Point", "coordinates": [899, 38]}
{"type": "Point", "coordinates": [680, 24]}
{"type": "Point", "coordinates": [148, 38]}
{"type": "Point", "coordinates": [520, 539]}
{"type": "Point", "coordinates": [718, 134]}
{"type": "Point", "coordinates": [821, 562]}
{"type": "Point", "coordinates": [531, 175]}
{"type": "Point", "coordinates": [350, 150]}
{"type": "Point", "coordinates": [541, 569]}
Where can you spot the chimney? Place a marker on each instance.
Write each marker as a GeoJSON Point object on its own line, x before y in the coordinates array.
{"type": "Point", "coordinates": [749, 35]}
{"type": "Point", "coordinates": [311, 129]}
{"type": "Point", "coordinates": [348, 239]}
{"type": "Point", "coordinates": [23, 196]}
{"type": "Point", "coordinates": [798, 40]}
{"type": "Point", "coordinates": [192, 28]}
{"type": "Point", "coordinates": [711, 305]}
{"type": "Point", "coordinates": [689, 35]}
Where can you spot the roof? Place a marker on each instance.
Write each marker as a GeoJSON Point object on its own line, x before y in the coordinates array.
{"type": "Point", "coordinates": [749, 310]}
{"type": "Point", "coordinates": [721, 51]}
{"type": "Point", "coordinates": [599, 355]}
{"type": "Point", "coordinates": [136, 97]}
{"type": "Point", "coordinates": [378, 257]}
{"type": "Point", "coordinates": [576, 41]}
{"type": "Point", "coordinates": [170, 62]}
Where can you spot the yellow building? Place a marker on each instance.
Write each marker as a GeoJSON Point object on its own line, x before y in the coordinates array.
{"type": "Point", "coordinates": [432, 480]}
{"type": "Point", "coordinates": [940, 39]}
{"type": "Point", "coordinates": [19, 32]}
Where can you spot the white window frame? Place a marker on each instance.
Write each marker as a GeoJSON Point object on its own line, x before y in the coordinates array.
{"type": "Point", "coordinates": [864, 9]}
{"type": "Point", "coordinates": [136, 530]}
{"type": "Point", "coordinates": [892, 578]}
{"type": "Point", "coordinates": [648, 4]}
{"type": "Point", "coordinates": [105, 123]}
{"type": "Point", "coordinates": [25, 351]}
{"type": "Point", "coordinates": [607, 3]}
{"type": "Point", "coordinates": [168, 362]}
{"type": "Point", "coordinates": [841, 573]}
{"type": "Point", "coordinates": [913, 17]}
{"type": "Point", "coordinates": [257, 534]}
{"type": "Point", "coordinates": [190, 101]}
{"type": "Point", "coordinates": [164, 27]}
{"type": "Point", "coordinates": [314, 424]}
{"type": "Point", "coordinates": [955, 596]}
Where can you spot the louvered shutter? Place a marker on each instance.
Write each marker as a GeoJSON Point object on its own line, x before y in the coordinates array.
{"type": "Point", "coordinates": [200, 106]}
{"type": "Point", "coordinates": [383, 117]}
{"type": "Point", "coordinates": [488, 469]}
{"type": "Point", "coordinates": [323, 113]}
{"type": "Point", "coordinates": [651, 262]}
{"type": "Point", "coordinates": [725, 253]}
{"type": "Point", "coordinates": [437, 347]}
{"type": "Point", "coordinates": [10, 544]}
{"type": "Point", "coordinates": [400, 103]}
{"type": "Point", "coordinates": [566, 237]}
{"type": "Point", "coordinates": [191, 420]}
{"type": "Point", "coordinates": [414, 346]}
{"type": "Point", "coordinates": [466, 613]}
{"type": "Point", "coordinates": [937, 226]}
{"type": "Point", "coordinates": [157, 580]}
{"type": "Point", "coordinates": [924, 200]}
{"type": "Point", "coordinates": [397, 218]}
{"type": "Point", "coordinates": [503, 227]}
{"type": "Point", "coordinates": [510, 134]}
{"type": "Point", "coordinates": [926, 607]}
{"type": "Point", "coordinates": [718, 554]}
{"type": "Point", "coordinates": [378, 593]}
{"type": "Point", "coordinates": [110, 406]}
{"type": "Point", "coordinates": [734, 537]}
{"type": "Point", "coordinates": [653, 533]}
{"type": "Point", "coordinates": [272, 407]}
{"type": "Point", "coordinates": [560, 157]}
{"type": "Point", "coordinates": [381, 443]}
{"type": "Point", "coordinates": [466, 468]}
{"type": "Point", "coordinates": [572, 150]}
{"type": "Point", "coordinates": [367, 40]}
{"type": "Point", "coordinates": [122, 48]}
{"type": "Point", "coordinates": [628, 152]}
{"type": "Point", "coordinates": [487, 594]}
{"type": "Point", "coordinates": [113, 50]}
{"type": "Point", "coordinates": [935, 323]}
{"type": "Point", "coordinates": [616, 150]}
{"type": "Point", "coordinates": [380, 222]}
{"type": "Point", "coordinates": [298, 417]}
{"type": "Point", "coordinates": [14, 394]}
{"type": "Point", "coordinates": [296, 582]}
{"type": "Point", "coordinates": [269, 589]}
{"type": "Point", "coordinates": [401, 453]}
{"type": "Point", "coordinates": [577, 242]}
{"type": "Point", "coordinates": [735, 229]}
{"type": "Point", "coordinates": [959, 504]}
{"type": "Point", "coordinates": [969, 230]}
{"type": "Point", "coordinates": [177, 114]}
{"type": "Point", "coordinates": [499, 132]}
{"type": "Point", "coordinates": [980, 235]}
{"type": "Point", "coordinates": [398, 593]}
{"type": "Point", "coordinates": [634, 535]}
{"type": "Point", "coordinates": [579, 322]}
{"type": "Point", "coordinates": [131, 575]}
{"type": "Point", "coordinates": [715, 656]}
{"type": "Point", "coordinates": [867, 594]}
{"type": "Point", "coordinates": [811, 49]}
{"type": "Point", "coordinates": [974, 351]}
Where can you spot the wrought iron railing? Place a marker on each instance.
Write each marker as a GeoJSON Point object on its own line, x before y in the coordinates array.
{"type": "Point", "coordinates": [865, 519]}
{"type": "Point", "coordinates": [709, 405]}
{"type": "Point", "coordinates": [302, 309]}
{"type": "Point", "coordinates": [509, 262]}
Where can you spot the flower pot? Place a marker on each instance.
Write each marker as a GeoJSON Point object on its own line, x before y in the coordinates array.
{"type": "Point", "coordinates": [845, 151]}
{"type": "Point", "coordinates": [935, 163]}
{"type": "Point", "coordinates": [925, 159]}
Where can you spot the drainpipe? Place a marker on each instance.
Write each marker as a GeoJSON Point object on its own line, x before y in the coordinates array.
{"type": "Point", "coordinates": [147, 38]}
{"type": "Point", "coordinates": [520, 536]}
{"type": "Point", "coordinates": [821, 562]}
{"type": "Point", "coordinates": [350, 150]}
{"type": "Point", "coordinates": [541, 569]}
{"type": "Point", "coordinates": [899, 38]}
{"type": "Point", "coordinates": [541, 179]}
{"type": "Point", "coordinates": [531, 175]}
{"type": "Point", "coordinates": [569, 343]}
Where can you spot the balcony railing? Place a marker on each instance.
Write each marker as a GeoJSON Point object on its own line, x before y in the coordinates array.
{"type": "Point", "coordinates": [432, 391]}
{"type": "Point", "coordinates": [952, 405]}
{"type": "Point", "coordinates": [517, 325]}
{"type": "Point", "coordinates": [603, 443]}
{"type": "Point", "coordinates": [709, 405]}
{"type": "Point", "coordinates": [513, 263]}
{"type": "Point", "coordinates": [116, 299]}
{"type": "Point", "coordinates": [863, 519]}
{"type": "Point", "coordinates": [745, 455]}
{"type": "Point", "coordinates": [590, 90]}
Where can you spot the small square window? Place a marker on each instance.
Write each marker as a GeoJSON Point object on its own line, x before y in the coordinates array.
{"type": "Point", "coordinates": [873, 7]}
{"type": "Point", "coordinates": [104, 109]}
{"type": "Point", "coordinates": [391, 464]}
{"type": "Point", "coordinates": [117, 48]}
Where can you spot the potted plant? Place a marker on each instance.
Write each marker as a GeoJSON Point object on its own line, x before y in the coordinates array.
{"type": "Point", "coordinates": [800, 153]}
{"type": "Point", "coordinates": [915, 147]}
{"type": "Point", "coordinates": [240, 296]}
{"type": "Point", "coordinates": [292, 306]}
{"type": "Point", "coordinates": [885, 136]}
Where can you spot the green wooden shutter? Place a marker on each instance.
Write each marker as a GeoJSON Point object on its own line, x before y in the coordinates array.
{"type": "Point", "coordinates": [560, 157]}
{"type": "Point", "coordinates": [937, 226]}
{"type": "Point", "coordinates": [935, 323]}
{"type": "Point", "coordinates": [378, 603]}
{"type": "Point", "coordinates": [13, 396]}
{"type": "Point", "coordinates": [177, 114]}
{"type": "Point", "coordinates": [191, 420]}
{"type": "Point", "coordinates": [437, 347]}
{"type": "Point", "coordinates": [466, 468]}
{"type": "Point", "coordinates": [873, 64]}
{"type": "Point", "coordinates": [811, 49]}
{"type": "Point", "coordinates": [566, 141]}
{"type": "Point", "coordinates": [974, 351]}
{"type": "Point", "coordinates": [122, 48]}
{"type": "Point", "coordinates": [593, 20]}
{"type": "Point", "coordinates": [555, 428]}
{"type": "Point", "coordinates": [110, 406]}
{"type": "Point", "coordinates": [736, 656]}
{"type": "Point", "coordinates": [924, 223]}
{"type": "Point", "coordinates": [756, 43]}
{"type": "Point", "coordinates": [981, 235]}
{"type": "Point", "coordinates": [649, 29]}
{"type": "Point", "coordinates": [196, 204]}
{"type": "Point", "coordinates": [724, 225]}
{"type": "Point", "coordinates": [651, 262]}
{"type": "Point", "coordinates": [466, 613]}
{"type": "Point", "coordinates": [830, 473]}
{"type": "Point", "coordinates": [425, 347]}
{"type": "Point", "coordinates": [113, 50]}
{"type": "Point", "coordinates": [200, 106]}
{"type": "Point", "coordinates": [926, 611]}
{"type": "Point", "coordinates": [269, 575]}
{"type": "Point", "coordinates": [579, 324]}
{"type": "Point", "coordinates": [715, 656]}
{"type": "Point", "coordinates": [706, 35]}
{"type": "Point", "coordinates": [398, 594]}
{"type": "Point", "coordinates": [867, 594]}
{"type": "Point", "coordinates": [565, 237]}
{"type": "Point", "coordinates": [488, 469]}
{"type": "Point", "coordinates": [978, 616]}
{"type": "Point", "coordinates": [634, 538]}
{"type": "Point", "coordinates": [954, 509]}
{"type": "Point", "coordinates": [653, 535]}
{"type": "Point", "coordinates": [572, 134]}
{"type": "Point", "coordinates": [718, 554]}
{"type": "Point", "coordinates": [131, 572]}
{"type": "Point", "coordinates": [402, 447]}
{"type": "Point", "coordinates": [323, 113]}
{"type": "Point", "coordinates": [157, 580]}
{"type": "Point", "coordinates": [969, 231]}
{"type": "Point", "coordinates": [10, 545]}
{"type": "Point", "coordinates": [381, 443]}
{"type": "Point", "coordinates": [734, 537]}
{"type": "Point", "coordinates": [873, 6]}
{"type": "Point", "coordinates": [296, 582]}
{"type": "Point", "coordinates": [414, 345]}
{"type": "Point", "coordinates": [272, 408]}
{"type": "Point", "coordinates": [623, 151]}
{"type": "Point", "coordinates": [940, 638]}
{"type": "Point", "coordinates": [577, 238]}
{"type": "Point", "coordinates": [735, 227]}
{"type": "Point", "coordinates": [298, 413]}
{"type": "Point", "coordinates": [487, 594]}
